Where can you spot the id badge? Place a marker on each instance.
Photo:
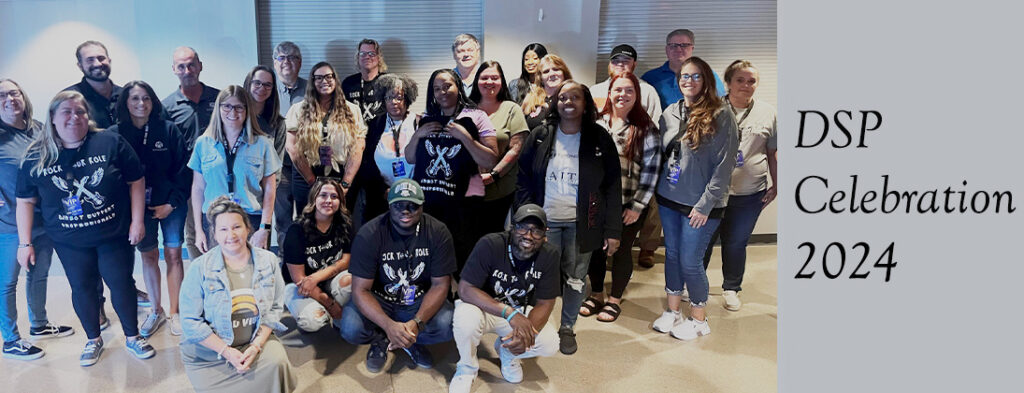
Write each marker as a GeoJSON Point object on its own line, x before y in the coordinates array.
{"type": "Point", "coordinates": [739, 158]}
{"type": "Point", "coordinates": [149, 195]}
{"type": "Point", "coordinates": [673, 173]}
{"type": "Point", "coordinates": [325, 155]}
{"type": "Point", "coordinates": [72, 206]}
{"type": "Point", "coordinates": [398, 168]}
{"type": "Point", "coordinates": [408, 295]}
{"type": "Point", "coordinates": [235, 199]}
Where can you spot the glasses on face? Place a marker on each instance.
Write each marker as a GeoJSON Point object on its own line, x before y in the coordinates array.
{"type": "Point", "coordinates": [394, 98]}
{"type": "Point", "coordinates": [370, 54]}
{"type": "Point", "coordinates": [678, 46]}
{"type": "Point", "coordinates": [261, 84]}
{"type": "Point", "coordinates": [534, 232]}
{"type": "Point", "coordinates": [12, 94]}
{"type": "Point", "coordinates": [323, 78]}
{"type": "Point", "coordinates": [688, 77]}
{"type": "Point", "coordinates": [291, 58]}
{"type": "Point", "coordinates": [404, 206]}
{"type": "Point", "coordinates": [232, 108]}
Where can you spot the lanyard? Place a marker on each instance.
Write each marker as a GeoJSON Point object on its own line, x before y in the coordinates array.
{"type": "Point", "coordinates": [396, 132]}
{"type": "Point", "coordinates": [145, 135]}
{"type": "Point", "coordinates": [515, 272]}
{"type": "Point", "coordinates": [323, 124]}
{"type": "Point", "coordinates": [230, 158]}
{"type": "Point", "coordinates": [745, 114]}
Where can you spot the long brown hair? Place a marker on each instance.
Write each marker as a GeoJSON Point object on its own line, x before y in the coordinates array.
{"type": "Point", "coordinates": [341, 221]}
{"type": "Point", "coordinates": [700, 121]}
{"type": "Point", "coordinates": [640, 124]}
{"type": "Point", "coordinates": [341, 126]}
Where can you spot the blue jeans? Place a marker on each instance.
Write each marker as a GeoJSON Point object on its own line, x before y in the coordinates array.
{"type": "Point", "coordinates": [737, 225]}
{"type": "Point", "coordinates": [684, 254]}
{"type": "Point", "coordinates": [358, 329]}
{"type": "Point", "coordinates": [35, 283]}
{"type": "Point", "coordinates": [575, 265]}
{"type": "Point", "coordinates": [173, 227]}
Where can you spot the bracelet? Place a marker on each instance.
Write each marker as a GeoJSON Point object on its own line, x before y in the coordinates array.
{"type": "Point", "coordinates": [24, 245]}
{"type": "Point", "coordinates": [220, 355]}
{"type": "Point", "coordinates": [503, 311]}
{"type": "Point", "coordinates": [512, 315]}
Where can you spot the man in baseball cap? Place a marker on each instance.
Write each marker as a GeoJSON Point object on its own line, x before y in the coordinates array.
{"type": "Point", "coordinates": [621, 60]}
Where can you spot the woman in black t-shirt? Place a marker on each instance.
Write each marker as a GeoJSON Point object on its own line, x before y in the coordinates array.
{"type": "Point", "coordinates": [91, 190]}
{"type": "Point", "coordinates": [316, 255]}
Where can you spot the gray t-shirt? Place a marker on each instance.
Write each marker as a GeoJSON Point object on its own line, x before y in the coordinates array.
{"type": "Point", "coordinates": [245, 314]}
{"type": "Point", "coordinates": [562, 180]}
{"type": "Point", "coordinates": [757, 133]}
{"type": "Point", "coordinates": [13, 144]}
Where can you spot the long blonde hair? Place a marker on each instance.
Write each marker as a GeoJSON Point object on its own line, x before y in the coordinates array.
{"type": "Point", "coordinates": [700, 120]}
{"type": "Point", "coordinates": [538, 95]}
{"type": "Point", "coordinates": [342, 127]}
{"type": "Point", "coordinates": [44, 148]}
{"type": "Point", "coordinates": [251, 129]}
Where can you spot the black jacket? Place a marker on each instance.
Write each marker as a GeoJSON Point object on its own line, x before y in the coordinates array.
{"type": "Point", "coordinates": [599, 201]}
{"type": "Point", "coordinates": [369, 178]}
{"type": "Point", "coordinates": [163, 159]}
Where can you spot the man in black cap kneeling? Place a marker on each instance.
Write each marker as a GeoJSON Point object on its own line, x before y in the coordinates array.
{"type": "Point", "coordinates": [401, 268]}
{"type": "Point", "coordinates": [509, 286]}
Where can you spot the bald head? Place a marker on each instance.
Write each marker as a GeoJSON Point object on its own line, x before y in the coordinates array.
{"type": "Point", "coordinates": [186, 66]}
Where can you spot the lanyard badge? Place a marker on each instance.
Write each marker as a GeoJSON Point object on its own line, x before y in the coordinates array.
{"type": "Point", "coordinates": [398, 168]}
{"type": "Point", "coordinates": [72, 206]}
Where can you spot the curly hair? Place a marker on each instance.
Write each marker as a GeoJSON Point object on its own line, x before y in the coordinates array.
{"type": "Point", "coordinates": [700, 120]}
{"type": "Point", "coordinates": [341, 221]}
{"type": "Point", "coordinates": [342, 127]}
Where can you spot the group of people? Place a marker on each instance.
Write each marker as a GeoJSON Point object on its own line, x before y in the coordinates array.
{"type": "Point", "coordinates": [398, 229]}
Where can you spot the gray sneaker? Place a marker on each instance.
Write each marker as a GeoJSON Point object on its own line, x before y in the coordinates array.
{"type": "Point", "coordinates": [91, 352]}
{"type": "Point", "coordinates": [152, 323]}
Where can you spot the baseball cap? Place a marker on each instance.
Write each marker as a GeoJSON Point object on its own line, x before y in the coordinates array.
{"type": "Point", "coordinates": [405, 190]}
{"type": "Point", "coordinates": [530, 211]}
{"type": "Point", "coordinates": [623, 50]}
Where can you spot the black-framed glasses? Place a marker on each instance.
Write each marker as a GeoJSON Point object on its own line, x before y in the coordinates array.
{"type": "Point", "coordinates": [367, 53]}
{"type": "Point", "coordinates": [291, 58]}
{"type": "Point", "coordinates": [403, 206]}
{"type": "Point", "coordinates": [678, 46]}
{"type": "Point", "coordinates": [535, 232]}
{"type": "Point", "coordinates": [322, 78]}
{"type": "Point", "coordinates": [229, 108]}
{"type": "Point", "coordinates": [261, 84]}
{"type": "Point", "coordinates": [12, 94]}
{"type": "Point", "coordinates": [687, 77]}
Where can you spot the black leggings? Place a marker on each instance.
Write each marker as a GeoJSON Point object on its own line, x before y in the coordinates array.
{"type": "Point", "coordinates": [113, 261]}
{"type": "Point", "coordinates": [622, 261]}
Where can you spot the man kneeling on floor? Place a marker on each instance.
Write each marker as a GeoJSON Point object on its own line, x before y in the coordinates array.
{"type": "Point", "coordinates": [401, 266]}
{"type": "Point", "coordinates": [506, 272]}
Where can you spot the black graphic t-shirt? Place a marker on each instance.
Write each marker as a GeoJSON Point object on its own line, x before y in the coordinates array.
{"type": "Point", "coordinates": [316, 252]}
{"type": "Point", "coordinates": [84, 195]}
{"type": "Point", "coordinates": [443, 168]}
{"type": "Point", "coordinates": [515, 284]}
{"type": "Point", "coordinates": [365, 94]}
{"type": "Point", "coordinates": [401, 266]}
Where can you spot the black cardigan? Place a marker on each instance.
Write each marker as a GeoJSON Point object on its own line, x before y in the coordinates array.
{"type": "Point", "coordinates": [599, 201]}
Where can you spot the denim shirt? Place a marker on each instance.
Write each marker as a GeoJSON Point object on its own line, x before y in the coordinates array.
{"type": "Point", "coordinates": [252, 163]}
{"type": "Point", "coordinates": [205, 299]}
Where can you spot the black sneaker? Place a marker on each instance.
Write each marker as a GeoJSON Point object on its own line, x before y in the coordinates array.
{"type": "Point", "coordinates": [22, 350]}
{"type": "Point", "coordinates": [420, 355]}
{"type": "Point", "coordinates": [567, 340]}
{"type": "Point", "coordinates": [377, 355]}
{"type": "Point", "coordinates": [51, 331]}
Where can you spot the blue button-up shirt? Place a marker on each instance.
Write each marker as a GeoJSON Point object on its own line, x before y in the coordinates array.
{"type": "Point", "coordinates": [666, 83]}
{"type": "Point", "coordinates": [252, 164]}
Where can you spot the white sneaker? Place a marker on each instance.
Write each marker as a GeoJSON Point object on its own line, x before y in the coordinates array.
{"type": "Point", "coordinates": [152, 323]}
{"type": "Point", "coordinates": [462, 382]}
{"type": "Point", "coordinates": [175, 325]}
{"type": "Point", "coordinates": [690, 329]}
{"type": "Point", "coordinates": [685, 295]}
{"type": "Point", "coordinates": [668, 320]}
{"type": "Point", "coordinates": [732, 300]}
{"type": "Point", "coordinates": [511, 368]}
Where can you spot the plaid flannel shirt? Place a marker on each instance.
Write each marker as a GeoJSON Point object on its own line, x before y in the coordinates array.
{"type": "Point", "coordinates": [639, 176]}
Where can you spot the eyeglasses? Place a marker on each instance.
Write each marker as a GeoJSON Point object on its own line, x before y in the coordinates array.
{"type": "Point", "coordinates": [370, 54]}
{"type": "Point", "coordinates": [394, 98]}
{"type": "Point", "coordinates": [678, 46]}
{"type": "Point", "coordinates": [261, 84]}
{"type": "Point", "coordinates": [403, 206]}
{"type": "Point", "coordinates": [535, 232]}
{"type": "Point", "coordinates": [291, 58]}
{"type": "Point", "coordinates": [228, 108]}
{"type": "Point", "coordinates": [689, 77]}
{"type": "Point", "coordinates": [322, 78]}
{"type": "Point", "coordinates": [12, 94]}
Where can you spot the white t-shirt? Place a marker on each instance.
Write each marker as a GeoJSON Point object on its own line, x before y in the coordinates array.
{"type": "Point", "coordinates": [562, 180]}
{"type": "Point", "coordinates": [392, 164]}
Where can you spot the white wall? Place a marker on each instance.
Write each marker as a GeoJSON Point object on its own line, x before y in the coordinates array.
{"type": "Point", "coordinates": [38, 41]}
{"type": "Point", "coordinates": [568, 29]}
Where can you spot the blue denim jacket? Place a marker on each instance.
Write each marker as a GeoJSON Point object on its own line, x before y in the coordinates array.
{"type": "Point", "coordinates": [205, 299]}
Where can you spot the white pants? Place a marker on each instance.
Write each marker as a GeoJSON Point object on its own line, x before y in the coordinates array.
{"type": "Point", "coordinates": [309, 314]}
{"type": "Point", "coordinates": [470, 323]}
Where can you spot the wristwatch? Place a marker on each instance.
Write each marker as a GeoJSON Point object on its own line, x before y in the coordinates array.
{"type": "Point", "coordinates": [419, 323]}
{"type": "Point", "coordinates": [345, 184]}
{"type": "Point", "coordinates": [24, 245]}
{"type": "Point", "coordinates": [495, 175]}
{"type": "Point", "coordinates": [266, 226]}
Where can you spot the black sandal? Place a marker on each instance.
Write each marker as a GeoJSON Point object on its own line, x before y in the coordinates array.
{"type": "Point", "coordinates": [611, 309]}
{"type": "Point", "coordinates": [591, 306]}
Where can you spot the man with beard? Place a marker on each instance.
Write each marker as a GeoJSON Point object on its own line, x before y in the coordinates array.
{"type": "Point", "coordinates": [401, 268]}
{"type": "Point", "coordinates": [360, 88]}
{"type": "Point", "coordinates": [96, 86]}
{"type": "Point", "coordinates": [506, 273]}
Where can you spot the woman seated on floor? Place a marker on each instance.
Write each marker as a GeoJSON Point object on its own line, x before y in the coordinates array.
{"type": "Point", "coordinates": [231, 298]}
